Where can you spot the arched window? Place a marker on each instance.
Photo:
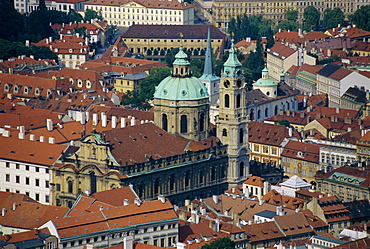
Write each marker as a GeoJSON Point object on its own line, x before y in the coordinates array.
{"type": "Point", "coordinates": [187, 179]}
{"type": "Point", "coordinates": [92, 182]}
{"type": "Point", "coordinates": [241, 135]}
{"type": "Point", "coordinates": [70, 186]}
{"type": "Point", "coordinates": [237, 100]}
{"type": "Point", "coordinates": [251, 114]}
{"type": "Point", "coordinates": [224, 132]}
{"type": "Point", "coordinates": [287, 105]}
{"type": "Point", "coordinates": [213, 174]}
{"type": "Point", "coordinates": [201, 177]}
{"type": "Point", "coordinates": [156, 187]}
{"type": "Point", "coordinates": [227, 100]}
{"type": "Point", "coordinates": [201, 122]}
{"type": "Point", "coordinates": [184, 124]}
{"type": "Point", "coordinates": [241, 169]}
{"type": "Point", "coordinates": [276, 110]}
{"type": "Point", "coordinates": [258, 114]}
{"type": "Point", "coordinates": [69, 204]}
{"type": "Point", "coordinates": [266, 112]}
{"type": "Point", "coordinates": [164, 122]}
{"type": "Point", "coordinates": [172, 183]}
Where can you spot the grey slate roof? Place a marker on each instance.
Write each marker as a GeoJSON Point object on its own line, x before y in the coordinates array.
{"type": "Point", "coordinates": [136, 76]}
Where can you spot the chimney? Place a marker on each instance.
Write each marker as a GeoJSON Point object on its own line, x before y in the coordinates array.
{"type": "Point", "coordinates": [180, 245]}
{"type": "Point", "coordinates": [6, 133]}
{"type": "Point", "coordinates": [217, 225]}
{"type": "Point", "coordinates": [42, 139]}
{"type": "Point", "coordinates": [215, 199]}
{"type": "Point", "coordinates": [162, 198]}
{"type": "Point", "coordinates": [95, 119]}
{"type": "Point", "coordinates": [337, 110]}
{"type": "Point", "coordinates": [127, 242]}
{"type": "Point", "coordinates": [261, 202]}
{"type": "Point", "coordinates": [290, 129]}
{"type": "Point", "coordinates": [123, 122]}
{"type": "Point", "coordinates": [22, 132]}
{"type": "Point", "coordinates": [281, 112]}
{"type": "Point", "coordinates": [87, 116]}
{"type": "Point", "coordinates": [126, 202]}
{"type": "Point", "coordinates": [317, 116]}
{"type": "Point", "coordinates": [114, 122]}
{"type": "Point", "coordinates": [349, 129]}
{"type": "Point", "coordinates": [334, 118]}
{"type": "Point", "coordinates": [83, 118]}
{"type": "Point", "coordinates": [137, 202]}
{"type": "Point", "coordinates": [14, 206]}
{"type": "Point", "coordinates": [278, 210]}
{"type": "Point", "coordinates": [288, 113]}
{"type": "Point", "coordinates": [3, 212]}
{"type": "Point", "coordinates": [104, 120]}
{"type": "Point", "coordinates": [49, 124]}
{"type": "Point", "coordinates": [32, 137]}
{"type": "Point", "coordinates": [51, 140]}
{"type": "Point", "coordinates": [301, 115]}
{"type": "Point", "coordinates": [187, 202]}
{"type": "Point", "coordinates": [133, 121]}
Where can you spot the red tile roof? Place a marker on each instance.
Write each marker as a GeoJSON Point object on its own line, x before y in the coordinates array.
{"type": "Point", "coordinates": [264, 133]}
{"type": "Point", "coordinates": [302, 151]}
{"type": "Point", "coordinates": [157, 4]}
{"type": "Point", "coordinates": [28, 235]}
{"type": "Point", "coordinates": [255, 181]}
{"type": "Point", "coordinates": [263, 231]}
{"type": "Point", "coordinates": [280, 50]}
{"type": "Point", "coordinates": [30, 151]}
{"type": "Point", "coordinates": [274, 197]}
{"type": "Point", "coordinates": [294, 224]}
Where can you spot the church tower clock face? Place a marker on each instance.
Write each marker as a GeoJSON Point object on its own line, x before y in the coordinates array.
{"type": "Point", "coordinates": [226, 84]}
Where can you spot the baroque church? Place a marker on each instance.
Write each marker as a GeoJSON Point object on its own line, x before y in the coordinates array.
{"type": "Point", "coordinates": [175, 156]}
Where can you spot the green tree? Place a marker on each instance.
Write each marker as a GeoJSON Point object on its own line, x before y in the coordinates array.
{"type": "Point", "coordinates": [291, 15]}
{"type": "Point", "coordinates": [42, 5]}
{"type": "Point", "coordinates": [284, 122]}
{"type": "Point", "coordinates": [361, 18]}
{"type": "Point", "coordinates": [311, 17]}
{"type": "Point", "coordinates": [92, 14]}
{"type": "Point", "coordinates": [333, 18]}
{"type": "Point", "coordinates": [131, 98]}
{"type": "Point", "coordinates": [328, 60]}
{"type": "Point", "coordinates": [253, 65]}
{"type": "Point", "coordinates": [73, 16]}
{"type": "Point", "coordinates": [12, 23]}
{"type": "Point", "coordinates": [223, 243]}
{"type": "Point", "coordinates": [148, 84]}
{"type": "Point", "coordinates": [287, 25]}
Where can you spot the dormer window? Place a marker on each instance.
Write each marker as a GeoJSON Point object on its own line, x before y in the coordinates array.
{"type": "Point", "coordinates": [49, 92]}
{"type": "Point", "coordinates": [300, 154]}
{"type": "Point", "coordinates": [70, 50]}
{"type": "Point", "coordinates": [79, 83]}
{"type": "Point", "coordinates": [26, 90]}
{"type": "Point", "coordinates": [88, 84]}
{"type": "Point", "coordinates": [6, 88]}
{"type": "Point", "coordinates": [55, 50]}
{"type": "Point", "coordinates": [38, 91]}
{"type": "Point", "coordinates": [16, 88]}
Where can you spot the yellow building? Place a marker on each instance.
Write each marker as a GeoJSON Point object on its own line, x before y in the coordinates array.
{"type": "Point", "coordinates": [223, 10]}
{"type": "Point", "coordinates": [158, 39]}
{"type": "Point", "coordinates": [129, 82]}
{"type": "Point", "coordinates": [127, 13]}
{"type": "Point", "coordinates": [301, 159]}
{"type": "Point", "coordinates": [265, 142]}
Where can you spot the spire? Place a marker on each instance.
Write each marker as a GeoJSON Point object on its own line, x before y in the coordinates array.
{"type": "Point", "coordinates": [208, 63]}
{"type": "Point", "coordinates": [208, 73]}
{"type": "Point", "coordinates": [232, 66]}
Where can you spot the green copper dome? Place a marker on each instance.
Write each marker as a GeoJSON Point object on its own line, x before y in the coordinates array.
{"type": "Point", "coordinates": [176, 88]}
{"type": "Point", "coordinates": [265, 80]}
{"type": "Point", "coordinates": [181, 85]}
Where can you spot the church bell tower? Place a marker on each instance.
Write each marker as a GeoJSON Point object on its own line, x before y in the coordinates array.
{"type": "Point", "coordinates": [232, 122]}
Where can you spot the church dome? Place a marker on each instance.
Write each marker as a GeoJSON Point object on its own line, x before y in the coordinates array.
{"type": "Point", "coordinates": [181, 85]}
{"type": "Point", "coordinates": [265, 80]}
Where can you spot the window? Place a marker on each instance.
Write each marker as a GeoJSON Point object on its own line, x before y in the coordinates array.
{"type": "Point", "coordinates": [58, 187]}
{"type": "Point", "coordinates": [256, 148]}
{"type": "Point", "coordinates": [184, 124]}
{"type": "Point", "coordinates": [46, 184]}
{"type": "Point", "coordinates": [7, 164]}
{"type": "Point", "coordinates": [265, 149]}
{"type": "Point", "coordinates": [46, 171]}
{"type": "Point", "coordinates": [241, 136]}
{"type": "Point", "coordinates": [27, 193]}
{"type": "Point", "coordinates": [37, 169]}
{"type": "Point", "coordinates": [27, 167]}
{"type": "Point", "coordinates": [294, 161]}
{"type": "Point", "coordinates": [27, 181]}
{"type": "Point", "coordinates": [224, 132]}
{"type": "Point", "coordinates": [37, 197]}
{"type": "Point", "coordinates": [7, 177]}
{"type": "Point", "coordinates": [238, 100]}
{"type": "Point", "coordinates": [17, 166]}
{"type": "Point", "coordinates": [17, 179]}
{"type": "Point", "coordinates": [227, 101]}
{"type": "Point", "coordinates": [37, 182]}
{"type": "Point", "coordinates": [70, 186]}
{"type": "Point", "coordinates": [274, 151]}
{"type": "Point", "coordinates": [164, 122]}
